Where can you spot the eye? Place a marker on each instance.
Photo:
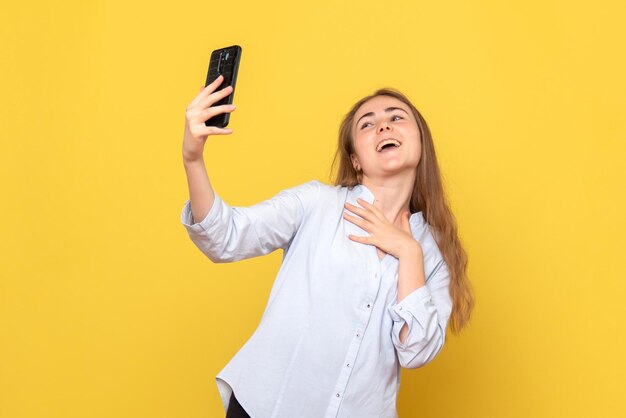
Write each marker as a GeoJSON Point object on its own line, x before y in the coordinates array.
{"type": "Point", "coordinates": [393, 118]}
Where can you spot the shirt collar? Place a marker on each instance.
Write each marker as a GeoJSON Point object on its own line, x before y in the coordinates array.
{"type": "Point", "coordinates": [362, 192]}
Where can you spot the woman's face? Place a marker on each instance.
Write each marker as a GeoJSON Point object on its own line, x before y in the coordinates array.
{"type": "Point", "coordinates": [381, 121]}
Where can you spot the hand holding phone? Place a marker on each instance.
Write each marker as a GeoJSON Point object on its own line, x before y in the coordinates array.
{"type": "Point", "coordinates": [208, 113]}
{"type": "Point", "coordinates": [198, 111]}
{"type": "Point", "coordinates": [225, 62]}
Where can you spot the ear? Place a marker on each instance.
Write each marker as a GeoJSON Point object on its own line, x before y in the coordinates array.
{"type": "Point", "coordinates": [355, 161]}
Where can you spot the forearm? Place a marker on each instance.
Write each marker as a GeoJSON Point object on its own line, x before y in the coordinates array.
{"type": "Point", "coordinates": [201, 192]}
{"type": "Point", "coordinates": [411, 276]}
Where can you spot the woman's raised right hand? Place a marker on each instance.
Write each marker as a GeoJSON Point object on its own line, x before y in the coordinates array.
{"type": "Point", "coordinates": [200, 110]}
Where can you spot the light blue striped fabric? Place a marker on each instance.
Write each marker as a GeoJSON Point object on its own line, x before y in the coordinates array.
{"type": "Point", "coordinates": [328, 342]}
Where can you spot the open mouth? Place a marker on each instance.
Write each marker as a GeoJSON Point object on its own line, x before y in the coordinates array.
{"type": "Point", "coordinates": [388, 143]}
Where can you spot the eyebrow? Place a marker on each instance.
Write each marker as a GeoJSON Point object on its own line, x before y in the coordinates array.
{"type": "Point", "coordinates": [389, 109]}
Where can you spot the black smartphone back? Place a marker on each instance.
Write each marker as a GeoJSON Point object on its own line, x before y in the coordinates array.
{"type": "Point", "coordinates": [224, 61]}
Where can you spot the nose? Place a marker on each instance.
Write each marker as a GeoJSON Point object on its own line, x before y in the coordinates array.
{"type": "Point", "coordinates": [384, 126]}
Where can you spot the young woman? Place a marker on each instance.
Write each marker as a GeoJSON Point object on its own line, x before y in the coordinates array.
{"type": "Point", "coordinates": [372, 272]}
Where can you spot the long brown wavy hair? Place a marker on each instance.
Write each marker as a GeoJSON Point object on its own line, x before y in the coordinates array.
{"type": "Point", "coordinates": [428, 196]}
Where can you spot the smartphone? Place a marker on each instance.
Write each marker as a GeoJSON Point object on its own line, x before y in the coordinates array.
{"type": "Point", "coordinates": [224, 61]}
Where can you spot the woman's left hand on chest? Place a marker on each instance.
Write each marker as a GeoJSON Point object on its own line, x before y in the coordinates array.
{"type": "Point", "coordinates": [388, 237]}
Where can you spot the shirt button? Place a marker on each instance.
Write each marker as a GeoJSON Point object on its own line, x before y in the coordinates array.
{"type": "Point", "coordinates": [400, 308]}
{"type": "Point", "coordinates": [338, 394]}
{"type": "Point", "coordinates": [358, 335]}
{"type": "Point", "coordinates": [369, 305]}
{"type": "Point", "coordinates": [348, 365]}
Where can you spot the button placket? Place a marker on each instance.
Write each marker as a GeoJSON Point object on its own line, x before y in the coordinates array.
{"type": "Point", "coordinates": [351, 355]}
{"type": "Point", "coordinates": [364, 316]}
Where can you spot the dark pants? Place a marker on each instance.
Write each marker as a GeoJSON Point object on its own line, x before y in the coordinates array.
{"type": "Point", "coordinates": [235, 410]}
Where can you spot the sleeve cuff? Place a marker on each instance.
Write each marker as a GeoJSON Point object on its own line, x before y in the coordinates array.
{"type": "Point", "coordinates": [186, 216]}
{"type": "Point", "coordinates": [416, 306]}
{"type": "Point", "coordinates": [410, 304]}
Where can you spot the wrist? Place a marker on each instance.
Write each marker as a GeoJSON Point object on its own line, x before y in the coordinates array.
{"type": "Point", "coordinates": [411, 250]}
{"type": "Point", "coordinates": [187, 162]}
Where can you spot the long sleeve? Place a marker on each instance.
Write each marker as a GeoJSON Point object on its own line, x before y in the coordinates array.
{"type": "Point", "coordinates": [426, 311]}
{"type": "Point", "coordinates": [230, 233]}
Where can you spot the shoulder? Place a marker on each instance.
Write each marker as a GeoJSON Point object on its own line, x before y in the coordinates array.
{"type": "Point", "coordinates": [310, 194]}
{"type": "Point", "coordinates": [319, 197]}
{"type": "Point", "coordinates": [316, 187]}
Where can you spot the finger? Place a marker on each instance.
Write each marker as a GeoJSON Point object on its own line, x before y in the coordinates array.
{"type": "Point", "coordinates": [211, 99]}
{"type": "Point", "coordinates": [214, 130]}
{"type": "Point", "coordinates": [215, 110]}
{"type": "Point", "coordinates": [362, 240]}
{"type": "Point", "coordinates": [362, 212]}
{"type": "Point", "coordinates": [212, 86]}
{"type": "Point", "coordinates": [204, 91]}
{"type": "Point", "coordinates": [357, 221]}
{"type": "Point", "coordinates": [379, 214]}
{"type": "Point", "coordinates": [198, 116]}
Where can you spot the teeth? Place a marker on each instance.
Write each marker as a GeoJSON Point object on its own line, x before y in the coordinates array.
{"type": "Point", "coordinates": [387, 141]}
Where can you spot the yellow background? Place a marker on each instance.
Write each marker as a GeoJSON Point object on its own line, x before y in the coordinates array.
{"type": "Point", "coordinates": [108, 310]}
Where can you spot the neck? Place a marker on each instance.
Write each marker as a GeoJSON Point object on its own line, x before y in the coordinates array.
{"type": "Point", "coordinates": [391, 195]}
